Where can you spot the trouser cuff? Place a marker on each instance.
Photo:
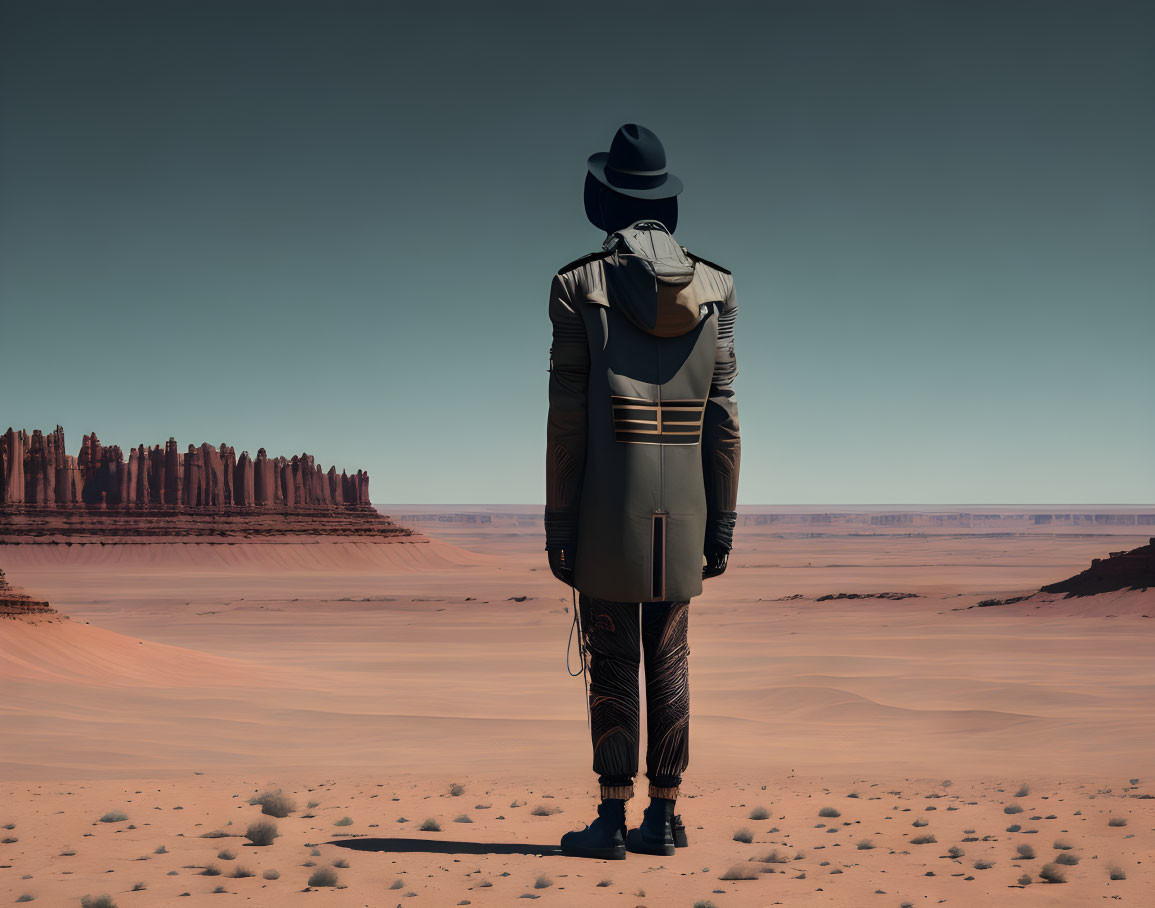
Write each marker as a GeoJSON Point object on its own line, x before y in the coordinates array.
{"type": "Point", "coordinates": [625, 792]}
{"type": "Point", "coordinates": [670, 793]}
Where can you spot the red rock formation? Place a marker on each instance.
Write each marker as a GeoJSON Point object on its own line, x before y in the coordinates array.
{"type": "Point", "coordinates": [35, 471]}
{"type": "Point", "coordinates": [15, 603]}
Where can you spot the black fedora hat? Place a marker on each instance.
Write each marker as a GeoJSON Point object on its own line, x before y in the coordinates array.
{"type": "Point", "coordinates": [635, 165]}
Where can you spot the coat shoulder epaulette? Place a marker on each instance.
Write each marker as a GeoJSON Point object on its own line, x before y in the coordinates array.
{"type": "Point", "coordinates": [585, 259]}
{"type": "Point", "coordinates": [699, 258]}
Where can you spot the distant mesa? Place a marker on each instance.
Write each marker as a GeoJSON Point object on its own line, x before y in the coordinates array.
{"type": "Point", "coordinates": [158, 491]}
{"type": "Point", "coordinates": [15, 603]}
{"type": "Point", "coordinates": [1132, 570]}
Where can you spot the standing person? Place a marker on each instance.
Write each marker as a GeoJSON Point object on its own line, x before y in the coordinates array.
{"type": "Point", "coordinates": [641, 474]}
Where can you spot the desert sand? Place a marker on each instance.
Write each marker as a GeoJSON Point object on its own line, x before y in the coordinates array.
{"type": "Point", "coordinates": [424, 678]}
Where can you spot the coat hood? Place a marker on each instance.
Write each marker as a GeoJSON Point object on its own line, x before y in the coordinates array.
{"type": "Point", "coordinates": [651, 279]}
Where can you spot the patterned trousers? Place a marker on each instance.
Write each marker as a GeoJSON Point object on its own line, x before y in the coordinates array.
{"type": "Point", "coordinates": [611, 632]}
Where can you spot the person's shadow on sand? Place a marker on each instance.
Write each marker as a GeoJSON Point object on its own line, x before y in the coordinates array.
{"type": "Point", "coordinates": [445, 847]}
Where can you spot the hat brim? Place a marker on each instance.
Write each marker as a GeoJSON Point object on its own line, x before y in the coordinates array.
{"type": "Point", "coordinates": [671, 186]}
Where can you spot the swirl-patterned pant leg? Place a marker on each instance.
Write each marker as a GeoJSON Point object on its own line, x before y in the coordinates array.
{"type": "Point", "coordinates": [665, 644]}
{"type": "Point", "coordinates": [611, 638]}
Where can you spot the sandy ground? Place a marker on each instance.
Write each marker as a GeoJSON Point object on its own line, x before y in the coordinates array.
{"type": "Point", "coordinates": [370, 678]}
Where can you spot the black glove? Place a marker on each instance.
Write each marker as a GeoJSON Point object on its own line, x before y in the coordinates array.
{"type": "Point", "coordinates": [561, 563]}
{"type": "Point", "coordinates": [716, 560]}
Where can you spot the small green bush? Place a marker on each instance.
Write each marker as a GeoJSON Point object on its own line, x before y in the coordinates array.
{"type": "Point", "coordinates": [262, 832]}
{"type": "Point", "coordinates": [323, 876]}
{"type": "Point", "coordinates": [274, 804]}
{"type": "Point", "coordinates": [1052, 873]}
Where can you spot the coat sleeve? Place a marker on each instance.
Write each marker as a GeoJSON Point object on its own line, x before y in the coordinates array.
{"type": "Point", "coordinates": [721, 441]}
{"type": "Point", "coordinates": [569, 364]}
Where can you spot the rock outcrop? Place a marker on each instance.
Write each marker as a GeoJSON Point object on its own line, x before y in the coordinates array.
{"type": "Point", "coordinates": [161, 494]}
{"type": "Point", "coordinates": [15, 603]}
{"type": "Point", "coordinates": [1130, 570]}
{"type": "Point", "coordinates": [35, 470]}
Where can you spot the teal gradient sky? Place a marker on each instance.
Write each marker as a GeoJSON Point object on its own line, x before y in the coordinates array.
{"type": "Point", "coordinates": [331, 227]}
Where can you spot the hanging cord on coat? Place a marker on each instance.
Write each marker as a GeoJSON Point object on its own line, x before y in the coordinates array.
{"type": "Point", "coordinates": [581, 652]}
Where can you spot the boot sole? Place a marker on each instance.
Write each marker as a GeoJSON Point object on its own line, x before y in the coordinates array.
{"type": "Point", "coordinates": [617, 853]}
{"type": "Point", "coordinates": [638, 845]}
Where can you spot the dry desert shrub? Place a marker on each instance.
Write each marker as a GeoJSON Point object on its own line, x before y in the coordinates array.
{"type": "Point", "coordinates": [344, 821]}
{"type": "Point", "coordinates": [829, 812]}
{"type": "Point", "coordinates": [274, 804]}
{"type": "Point", "coordinates": [241, 871]}
{"type": "Point", "coordinates": [1014, 827]}
{"type": "Point", "coordinates": [397, 884]}
{"type": "Point", "coordinates": [1066, 857]}
{"type": "Point", "coordinates": [220, 889]}
{"type": "Point", "coordinates": [323, 876]}
{"type": "Point", "coordinates": [160, 849]}
{"type": "Point", "coordinates": [773, 856]}
{"type": "Point", "coordinates": [1012, 808]}
{"type": "Point", "coordinates": [1052, 873]}
{"type": "Point", "coordinates": [1025, 880]}
{"type": "Point", "coordinates": [1117, 821]}
{"type": "Point", "coordinates": [313, 804]}
{"type": "Point", "coordinates": [114, 816]}
{"type": "Point", "coordinates": [926, 839]}
{"type": "Point", "coordinates": [759, 813]}
{"type": "Point", "coordinates": [1024, 852]}
{"type": "Point", "coordinates": [921, 821]}
{"type": "Point", "coordinates": [211, 870]}
{"type": "Point", "coordinates": [97, 901]}
{"type": "Point", "coordinates": [1023, 791]}
{"type": "Point", "coordinates": [542, 811]}
{"type": "Point", "coordinates": [1062, 845]}
{"type": "Point", "coordinates": [271, 874]}
{"type": "Point", "coordinates": [1115, 872]}
{"type": "Point", "coordinates": [743, 835]}
{"type": "Point", "coordinates": [704, 903]}
{"type": "Point", "coordinates": [865, 845]}
{"type": "Point", "coordinates": [341, 862]}
{"type": "Point", "coordinates": [739, 872]}
{"type": "Point", "coordinates": [955, 852]}
{"type": "Point", "coordinates": [464, 818]}
{"type": "Point", "coordinates": [430, 825]}
{"type": "Point", "coordinates": [983, 864]}
{"type": "Point", "coordinates": [225, 855]}
{"type": "Point", "coordinates": [262, 832]}
{"type": "Point", "coordinates": [542, 882]}
{"type": "Point", "coordinates": [456, 790]}
{"type": "Point", "coordinates": [214, 834]}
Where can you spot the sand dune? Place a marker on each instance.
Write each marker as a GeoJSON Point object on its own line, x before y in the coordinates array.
{"type": "Point", "coordinates": [71, 652]}
{"type": "Point", "coordinates": [369, 676]}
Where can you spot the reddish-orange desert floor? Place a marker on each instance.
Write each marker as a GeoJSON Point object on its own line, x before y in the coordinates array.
{"type": "Point", "coordinates": [852, 752]}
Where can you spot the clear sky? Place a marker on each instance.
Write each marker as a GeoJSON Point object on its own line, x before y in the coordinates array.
{"type": "Point", "coordinates": [331, 227]}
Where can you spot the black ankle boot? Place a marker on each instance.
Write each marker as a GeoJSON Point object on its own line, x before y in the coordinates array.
{"type": "Point", "coordinates": [656, 834]}
{"type": "Point", "coordinates": [604, 838]}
